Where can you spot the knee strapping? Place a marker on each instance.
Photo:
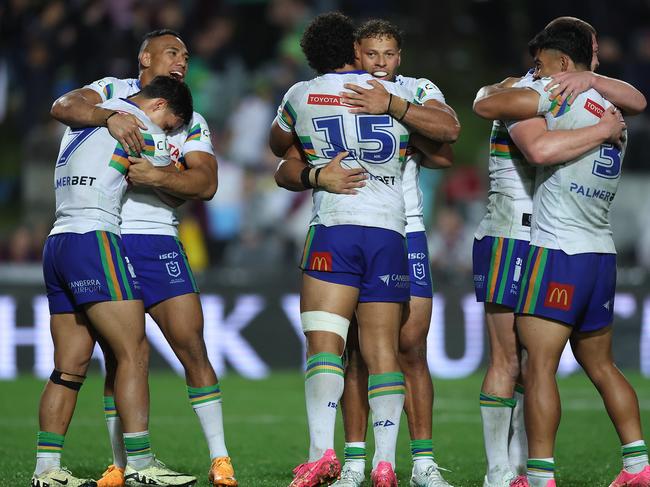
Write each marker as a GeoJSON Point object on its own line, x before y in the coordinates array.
{"type": "Point", "coordinates": [57, 378]}
{"type": "Point", "coordinates": [324, 321]}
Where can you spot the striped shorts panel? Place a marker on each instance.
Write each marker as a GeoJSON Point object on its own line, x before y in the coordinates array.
{"type": "Point", "coordinates": [86, 268]}
{"type": "Point", "coordinates": [498, 265]}
{"type": "Point", "coordinates": [577, 290]}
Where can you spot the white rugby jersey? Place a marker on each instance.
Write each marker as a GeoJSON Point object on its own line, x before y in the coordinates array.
{"type": "Point", "coordinates": [422, 90]}
{"type": "Point", "coordinates": [572, 200]}
{"type": "Point", "coordinates": [89, 178]}
{"type": "Point", "coordinates": [142, 211]}
{"type": "Point", "coordinates": [512, 181]}
{"type": "Point", "coordinates": [377, 143]}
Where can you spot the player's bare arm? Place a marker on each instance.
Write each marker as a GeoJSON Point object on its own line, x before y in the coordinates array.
{"type": "Point", "coordinates": [434, 119]}
{"type": "Point", "coordinates": [78, 108]}
{"type": "Point", "coordinates": [435, 155]}
{"type": "Point", "coordinates": [197, 182]}
{"type": "Point", "coordinates": [333, 178]}
{"type": "Point", "coordinates": [568, 85]}
{"type": "Point", "coordinates": [506, 103]}
{"type": "Point", "coordinates": [280, 140]}
{"type": "Point", "coordinates": [541, 146]}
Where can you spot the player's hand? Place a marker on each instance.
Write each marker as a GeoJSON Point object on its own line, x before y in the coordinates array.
{"type": "Point", "coordinates": [612, 120]}
{"type": "Point", "coordinates": [367, 100]}
{"type": "Point", "coordinates": [568, 85]}
{"type": "Point", "coordinates": [142, 172]}
{"type": "Point", "coordinates": [125, 128]}
{"type": "Point", "coordinates": [334, 178]}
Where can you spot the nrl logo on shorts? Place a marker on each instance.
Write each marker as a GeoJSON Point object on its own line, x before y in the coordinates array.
{"type": "Point", "coordinates": [173, 269]}
{"type": "Point", "coordinates": [419, 271]}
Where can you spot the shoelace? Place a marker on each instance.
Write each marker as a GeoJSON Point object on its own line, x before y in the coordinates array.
{"type": "Point", "coordinates": [433, 473]}
{"type": "Point", "coordinates": [350, 474]}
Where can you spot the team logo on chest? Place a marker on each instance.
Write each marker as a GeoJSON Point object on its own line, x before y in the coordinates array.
{"type": "Point", "coordinates": [173, 268]}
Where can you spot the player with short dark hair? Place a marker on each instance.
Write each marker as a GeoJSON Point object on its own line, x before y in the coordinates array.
{"type": "Point", "coordinates": [91, 286]}
{"type": "Point", "coordinates": [570, 241]}
{"type": "Point", "coordinates": [378, 53]}
{"type": "Point", "coordinates": [150, 235]}
{"type": "Point", "coordinates": [501, 245]}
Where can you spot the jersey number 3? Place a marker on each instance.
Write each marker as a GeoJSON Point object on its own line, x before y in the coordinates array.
{"type": "Point", "coordinates": [608, 165]}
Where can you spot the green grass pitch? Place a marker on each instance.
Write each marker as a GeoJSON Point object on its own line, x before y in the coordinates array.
{"type": "Point", "coordinates": [266, 431]}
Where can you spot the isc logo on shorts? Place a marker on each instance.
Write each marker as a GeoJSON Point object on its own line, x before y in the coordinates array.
{"type": "Point", "coordinates": [559, 296]}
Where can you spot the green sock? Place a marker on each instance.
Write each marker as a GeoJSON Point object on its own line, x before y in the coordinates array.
{"type": "Point", "coordinates": [49, 447]}
{"type": "Point", "coordinates": [138, 449]}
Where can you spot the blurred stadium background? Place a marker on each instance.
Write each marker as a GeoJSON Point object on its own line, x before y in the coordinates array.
{"type": "Point", "coordinates": [244, 244]}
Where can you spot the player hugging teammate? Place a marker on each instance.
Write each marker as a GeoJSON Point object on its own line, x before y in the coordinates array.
{"type": "Point", "coordinates": [365, 200]}
{"type": "Point", "coordinates": [560, 127]}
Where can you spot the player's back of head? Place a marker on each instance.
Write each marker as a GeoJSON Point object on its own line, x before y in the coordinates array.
{"type": "Point", "coordinates": [328, 42]}
{"type": "Point", "coordinates": [568, 21]}
{"type": "Point", "coordinates": [378, 29]}
{"type": "Point", "coordinates": [571, 38]}
{"type": "Point", "coordinates": [175, 92]}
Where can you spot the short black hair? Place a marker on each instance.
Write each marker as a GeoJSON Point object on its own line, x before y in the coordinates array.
{"type": "Point", "coordinates": [571, 38]}
{"type": "Point", "coordinates": [177, 94]}
{"type": "Point", "coordinates": [378, 28]}
{"type": "Point", "coordinates": [158, 33]}
{"type": "Point", "coordinates": [566, 20]}
{"type": "Point", "coordinates": [328, 42]}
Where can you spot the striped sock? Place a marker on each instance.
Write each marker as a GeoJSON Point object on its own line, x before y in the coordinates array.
{"type": "Point", "coordinates": [422, 454]}
{"type": "Point", "coordinates": [518, 443]}
{"type": "Point", "coordinates": [355, 455]}
{"type": "Point", "coordinates": [138, 449]}
{"type": "Point", "coordinates": [206, 402]}
{"type": "Point", "coordinates": [540, 471]}
{"type": "Point", "coordinates": [323, 389]}
{"type": "Point", "coordinates": [49, 447]}
{"type": "Point", "coordinates": [115, 432]}
{"type": "Point", "coordinates": [496, 413]}
{"type": "Point", "coordinates": [635, 456]}
{"type": "Point", "coordinates": [386, 399]}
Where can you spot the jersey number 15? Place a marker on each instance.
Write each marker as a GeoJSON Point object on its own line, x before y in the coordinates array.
{"type": "Point", "coordinates": [373, 131]}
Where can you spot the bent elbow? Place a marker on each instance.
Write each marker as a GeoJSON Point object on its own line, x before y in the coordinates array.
{"type": "Point", "coordinates": [57, 109]}
{"type": "Point", "coordinates": [454, 133]}
{"type": "Point", "coordinates": [278, 179]}
{"type": "Point", "coordinates": [537, 156]}
{"type": "Point", "coordinates": [208, 192]}
{"type": "Point", "coordinates": [643, 104]}
{"type": "Point", "coordinates": [482, 109]}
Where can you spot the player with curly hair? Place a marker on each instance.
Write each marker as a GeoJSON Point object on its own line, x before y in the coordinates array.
{"type": "Point", "coordinates": [354, 258]}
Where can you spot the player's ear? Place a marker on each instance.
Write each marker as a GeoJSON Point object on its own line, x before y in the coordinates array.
{"type": "Point", "coordinates": [565, 62]}
{"type": "Point", "coordinates": [145, 59]}
{"type": "Point", "coordinates": [357, 51]}
{"type": "Point", "coordinates": [399, 57]}
{"type": "Point", "coordinates": [159, 104]}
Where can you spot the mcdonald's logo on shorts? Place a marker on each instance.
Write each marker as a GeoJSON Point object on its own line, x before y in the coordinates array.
{"type": "Point", "coordinates": [559, 296]}
{"type": "Point", "coordinates": [321, 261]}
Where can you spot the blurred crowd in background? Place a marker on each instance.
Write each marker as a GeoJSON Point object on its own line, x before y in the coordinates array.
{"type": "Point", "coordinates": [244, 55]}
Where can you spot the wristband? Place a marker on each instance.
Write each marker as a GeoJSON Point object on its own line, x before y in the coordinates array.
{"type": "Point", "coordinates": [316, 176]}
{"type": "Point", "coordinates": [106, 119]}
{"type": "Point", "coordinates": [304, 177]}
{"type": "Point", "coordinates": [408, 105]}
